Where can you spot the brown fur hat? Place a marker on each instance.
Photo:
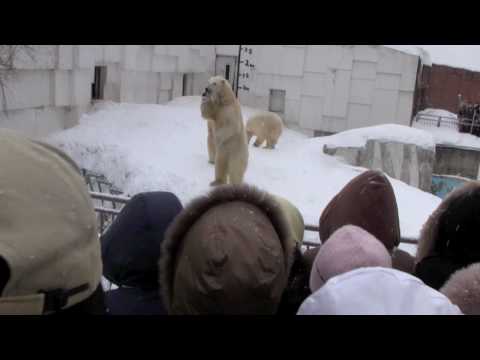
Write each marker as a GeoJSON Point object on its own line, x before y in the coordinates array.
{"type": "Point", "coordinates": [228, 222]}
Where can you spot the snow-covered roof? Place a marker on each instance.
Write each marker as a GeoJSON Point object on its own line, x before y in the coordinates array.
{"type": "Point", "coordinates": [386, 132]}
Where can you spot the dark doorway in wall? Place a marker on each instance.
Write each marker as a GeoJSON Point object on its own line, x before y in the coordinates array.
{"type": "Point", "coordinates": [276, 101]}
{"type": "Point", "coordinates": [226, 66]}
{"type": "Point", "coordinates": [99, 82]}
{"type": "Point", "coordinates": [227, 72]}
{"type": "Point", "coordinates": [187, 84]}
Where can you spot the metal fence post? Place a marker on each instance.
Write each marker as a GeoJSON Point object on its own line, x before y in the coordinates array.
{"type": "Point", "coordinates": [473, 120]}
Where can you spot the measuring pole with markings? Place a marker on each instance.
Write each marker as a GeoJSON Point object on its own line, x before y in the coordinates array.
{"type": "Point", "coordinates": [243, 52]}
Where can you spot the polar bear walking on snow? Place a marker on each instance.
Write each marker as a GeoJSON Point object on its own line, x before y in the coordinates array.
{"type": "Point", "coordinates": [265, 126]}
{"type": "Point", "coordinates": [227, 139]}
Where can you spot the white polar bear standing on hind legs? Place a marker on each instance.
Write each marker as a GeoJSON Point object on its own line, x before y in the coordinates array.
{"type": "Point", "coordinates": [264, 125]}
{"type": "Point", "coordinates": [227, 139]}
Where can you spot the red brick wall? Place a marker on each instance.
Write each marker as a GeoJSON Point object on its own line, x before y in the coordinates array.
{"type": "Point", "coordinates": [440, 85]}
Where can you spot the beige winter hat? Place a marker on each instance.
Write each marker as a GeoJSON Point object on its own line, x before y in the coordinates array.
{"type": "Point", "coordinates": [49, 248]}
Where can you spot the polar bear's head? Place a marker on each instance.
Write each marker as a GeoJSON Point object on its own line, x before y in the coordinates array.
{"type": "Point", "coordinates": [218, 91]}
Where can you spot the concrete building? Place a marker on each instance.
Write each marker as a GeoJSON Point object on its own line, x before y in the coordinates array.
{"type": "Point", "coordinates": [317, 88]}
{"type": "Point", "coordinates": [440, 85]}
{"type": "Point", "coordinates": [51, 91]}
{"type": "Point", "coordinates": [331, 88]}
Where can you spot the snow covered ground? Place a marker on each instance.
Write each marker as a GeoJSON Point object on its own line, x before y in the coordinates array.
{"type": "Point", "coordinates": [164, 147]}
{"type": "Point", "coordinates": [444, 134]}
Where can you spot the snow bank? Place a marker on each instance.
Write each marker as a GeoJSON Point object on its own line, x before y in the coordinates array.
{"type": "Point", "coordinates": [387, 133]}
{"type": "Point", "coordinates": [437, 113]}
{"type": "Point", "coordinates": [164, 147]}
{"type": "Point", "coordinates": [450, 136]}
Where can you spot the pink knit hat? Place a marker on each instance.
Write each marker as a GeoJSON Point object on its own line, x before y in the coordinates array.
{"type": "Point", "coordinates": [349, 248]}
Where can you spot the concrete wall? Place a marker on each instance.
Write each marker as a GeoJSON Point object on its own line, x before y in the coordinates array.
{"type": "Point", "coordinates": [227, 50]}
{"type": "Point", "coordinates": [329, 88]}
{"type": "Point", "coordinates": [51, 91]}
{"type": "Point", "coordinates": [457, 161]}
{"type": "Point", "coordinates": [332, 88]}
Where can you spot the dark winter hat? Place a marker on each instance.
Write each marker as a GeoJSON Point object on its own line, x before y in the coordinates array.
{"type": "Point", "coordinates": [452, 229]}
{"type": "Point", "coordinates": [229, 252]}
{"type": "Point", "coordinates": [435, 270]}
{"type": "Point", "coordinates": [131, 245]}
{"type": "Point", "coordinates": [49, 248]}
{"type": "Point", "coordinates": [367, 201]}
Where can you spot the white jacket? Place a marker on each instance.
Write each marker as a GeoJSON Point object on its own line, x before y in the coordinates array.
{"type": "Point", "coordinates": [377, 291]}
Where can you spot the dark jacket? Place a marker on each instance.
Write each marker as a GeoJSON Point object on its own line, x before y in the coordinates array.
{"type": "Point", "coordinates": [367, 201]}
{"type": "Point", "coordinates": [449, 239]}
{"type": "Point", "coordinates": [93, 305]}
{"type": "Point", "coordinates": [134, 301]}
{"type": "Point", "coordinates": [403, 261]}
{"type": "Point", "coordinates": [297, 289]}
{"type": "Point", "coordinates": [230, 252]}
{"type": "Point", "coordinates": [131, 250]}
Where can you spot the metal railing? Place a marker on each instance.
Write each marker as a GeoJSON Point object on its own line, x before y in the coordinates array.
{"type": "Point", "coordinates": [314, 228]}
{"type": "Point", "coordinates": [461, 124]}
{"type": "Point", "coordinates": [107, 198]}
{"type": "Point", "coordinates": [122, 200]}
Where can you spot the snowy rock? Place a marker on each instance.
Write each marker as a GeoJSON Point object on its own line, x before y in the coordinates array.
{"type": "Point", "coordinates": [403, 153]}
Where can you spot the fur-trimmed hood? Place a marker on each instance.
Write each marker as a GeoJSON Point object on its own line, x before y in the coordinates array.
{"type": "Point", "coordinates": [234, 232]}
{"type": "Point", "coordinates": [463, 289]}
{"type": "Point", "coordinates": [457, 215]}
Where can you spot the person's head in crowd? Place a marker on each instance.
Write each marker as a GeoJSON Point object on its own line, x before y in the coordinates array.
{"type": "Point", "coordinates": [348, 248]}
{"type": "Point", "coordinates": [131, 251]}
{"type": "Point", "coordinates": [367, 201]}
{"type": "Point", "coordinates": [50, 260]}
{"type": "Point", "coordinates": [449, 239]}
{"type": "Point", "coordinates": [377, 291]}
{"type": "Point", "coordinates": [463, 289]}
{"type": "Point", "coordinates": [230, 252]}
